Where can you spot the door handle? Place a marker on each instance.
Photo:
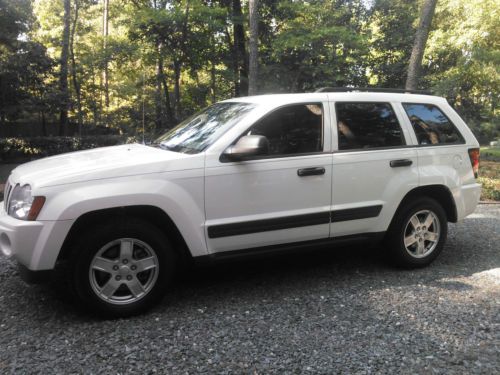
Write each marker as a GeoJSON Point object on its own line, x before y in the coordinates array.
{"type": "Point", "coordinates": [401, 163]}
{"type": "Point", "coordinates": [310, 171]}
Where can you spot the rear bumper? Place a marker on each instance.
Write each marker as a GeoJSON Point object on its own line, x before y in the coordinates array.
{"type": "Point", "coordinates": [468, 199]}
{"type": "Point", "coordinates": [33, 244]}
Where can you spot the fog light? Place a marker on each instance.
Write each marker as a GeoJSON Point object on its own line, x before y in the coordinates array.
{"type": "Point", "coordinates": [5, 246]}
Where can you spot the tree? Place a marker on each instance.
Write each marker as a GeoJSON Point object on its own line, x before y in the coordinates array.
{"type": "Point", "coordinates": [63, 73]}
{"type": "Point", "coordinates": [26, 71]}
{"type": "Point", "coordinates": [421, 36]}
{"type": "Point", "coordinates": [76, 83]}
{"type": "Point", "coordinates": [166, 59]}
{"type": "Point", "coordinates": [391, 35]}
{"type": "Point", "coordinates": [105, 34]}
{"type": "Point", "coordinates": [253, 46]}
{"type": "Point", "coordinates": [462, 62]}
{"type": "Point", "coordinates": [315, 44]}
{"type": "Point", "coordinates": [241, 64]}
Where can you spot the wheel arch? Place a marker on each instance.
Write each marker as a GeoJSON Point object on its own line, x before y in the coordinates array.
{"type": "Point", "coordinates": [440, 193]}
{"type": "Point", "coordinates": [154, 215]}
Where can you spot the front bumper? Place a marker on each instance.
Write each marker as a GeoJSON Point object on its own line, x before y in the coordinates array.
{"type": "Point", "coordinates": [33, 244]}
{"type": "Point", "coordinates": [34, 277]}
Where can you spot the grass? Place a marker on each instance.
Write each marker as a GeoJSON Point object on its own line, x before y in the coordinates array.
{"type": "Point", "coordinates": [489, 176]}
{"type": "Point", "coordinates": [490, 153]}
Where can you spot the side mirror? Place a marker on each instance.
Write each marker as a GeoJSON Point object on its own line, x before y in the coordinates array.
{"type": "Point", "coordinates": [246, 147]}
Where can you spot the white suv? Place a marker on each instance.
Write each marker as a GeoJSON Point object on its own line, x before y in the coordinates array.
{"type": "Point", "coordinates": [245, 176]}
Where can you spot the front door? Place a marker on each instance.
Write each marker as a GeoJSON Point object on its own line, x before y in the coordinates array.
{"type": "Point", "coordinates": [278, 198]}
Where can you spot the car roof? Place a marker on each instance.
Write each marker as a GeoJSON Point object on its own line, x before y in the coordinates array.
{"type": "Point", "coordinates": [281, 99]}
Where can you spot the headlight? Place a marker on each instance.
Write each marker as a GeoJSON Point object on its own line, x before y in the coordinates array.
{"type": "Point", "coordinates": [22, 205]}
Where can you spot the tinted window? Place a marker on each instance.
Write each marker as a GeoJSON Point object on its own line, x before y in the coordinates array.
{"type": "Point", "coordinates": [199, 131]}
{"type": "Point", "coordinates": [367, 125]}
{"type": "Point", "coordinates": [294, 129]}
{"type": "Point", "coordinates": [431, 125]}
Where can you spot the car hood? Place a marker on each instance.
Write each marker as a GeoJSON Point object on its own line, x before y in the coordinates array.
{"type": "Point", "coordinates": [100, 163]}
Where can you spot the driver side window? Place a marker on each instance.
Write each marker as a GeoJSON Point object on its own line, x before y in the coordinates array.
{"type": "Point", "coordinates": [291, 130]}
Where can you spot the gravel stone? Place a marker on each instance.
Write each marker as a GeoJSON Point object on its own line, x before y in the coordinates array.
{"type": "Point", "coordinates": [335, 311]}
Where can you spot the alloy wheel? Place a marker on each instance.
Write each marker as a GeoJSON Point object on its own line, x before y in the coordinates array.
{"type": "Point", "coordinates": [123, 271]}
{"type": "Point", "coordinates": [422, 233]}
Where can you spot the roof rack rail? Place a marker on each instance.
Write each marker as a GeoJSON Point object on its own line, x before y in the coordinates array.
{"type": "Point", "coordinates": [372, 89]}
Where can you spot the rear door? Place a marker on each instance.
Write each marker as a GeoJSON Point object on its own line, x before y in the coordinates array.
{"type": "Point", "coordinates": [374, 166]}
{"type": "Point", "coordinates": [442, 152]}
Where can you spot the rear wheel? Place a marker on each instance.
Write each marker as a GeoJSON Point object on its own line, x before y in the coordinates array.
{"type": "Point", "coordinates": [122, 268]}
{"type": "Point", "coordinates": [417, 233]}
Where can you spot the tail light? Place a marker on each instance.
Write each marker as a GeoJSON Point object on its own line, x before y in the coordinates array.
{"type": "Point", "coordinates": [474, 160]}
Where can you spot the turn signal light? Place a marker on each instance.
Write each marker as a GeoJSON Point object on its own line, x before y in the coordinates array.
{"type": "Point", "coordinates": [36, 207]}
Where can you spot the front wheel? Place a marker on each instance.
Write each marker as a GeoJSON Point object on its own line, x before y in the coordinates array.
{"type": "Point", "coordinates": [122, 268]}
{"type": "Point", "coordinates": [417, 233]}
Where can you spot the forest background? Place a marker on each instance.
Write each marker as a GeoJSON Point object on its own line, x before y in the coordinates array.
{"type": "Point", "coordinates": [86, 68]}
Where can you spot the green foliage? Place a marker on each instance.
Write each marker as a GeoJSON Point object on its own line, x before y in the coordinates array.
{"type": "Point", "coordinates": [24, 65]}
{"type": "Point", "coordinates": [489, 177]}
{"type": "Point", "coordinates": [463, 61]}
{"type": "Point", "coordinates": [315, 44]}
{"type": "Point", "coordinates": [168, 58]}
{"type": "Point", "coordinates": [392, 29]}
{"type": "Point", "coordinates": [490, 153]}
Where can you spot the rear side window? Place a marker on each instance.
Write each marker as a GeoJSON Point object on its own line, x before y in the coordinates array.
{"type": "Point", "coordinates": [431, 125]}
{"type": "Point", "coordinates": [367, 125]}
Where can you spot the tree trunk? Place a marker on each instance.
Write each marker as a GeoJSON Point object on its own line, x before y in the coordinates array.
{"type": "Point", "coordinates": [213, 82]}
{"type": "Point", "coordinates": [105, 33]}
{"type": "Point", "coordinates": [2, 101]}
{"type": "Point", "coordinates": [166, 93]}
{"type": "Point", "coordinates": [76, 84]}
{"type": "Point", "coordinates": [158, 101]}
{"type": "Point", "coordinates": [44, 124]}
{"type": "Point", "coordinates": [239, 45]}
{"type": "Point", "coordinates": [234, 62]}
{"type": "Point", "coordinates": [177, 89]}
{"type": "Point", "coordinates": [94, 95]}
{"type": "Point", "coordinates": [63, 74]}
{"type": "Point", "coordinates": [421, 36]}
{"type": "Point", "coordinates": [213, 62]}
{"type": "Point", "coordinates": [253, 46]}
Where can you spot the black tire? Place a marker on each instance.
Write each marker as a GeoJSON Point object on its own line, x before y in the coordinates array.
{"type": "Point", "coordinates": [409, 257]}
{"type": "Point", "coordinates": [146, 239]}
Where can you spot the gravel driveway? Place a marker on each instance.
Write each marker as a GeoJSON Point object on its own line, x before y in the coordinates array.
{"type": "Point", "coordinates": [342, 311]}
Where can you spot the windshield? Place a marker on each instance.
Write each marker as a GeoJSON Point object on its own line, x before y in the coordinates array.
{"type": "Point", "coordinates": [202, 129]}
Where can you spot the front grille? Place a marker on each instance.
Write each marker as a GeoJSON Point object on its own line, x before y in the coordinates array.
{"type": "Point", "coordinates": [6, 193]}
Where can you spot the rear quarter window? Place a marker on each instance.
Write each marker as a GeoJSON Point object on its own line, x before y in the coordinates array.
{"type": "Point", "coordinates": [431, 125]}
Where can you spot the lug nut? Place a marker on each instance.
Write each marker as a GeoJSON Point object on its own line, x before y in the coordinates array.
{"type": "Point", "coordinates": [133, 268]}
{"type": "Point", "coordinates": [125, 261]}
{"type": "Point", "coordinates": [129, 277]}
{"type": "Point", "coordinates": [118, 277]}
{"type": "Point", "coordinates": [115, 268]}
